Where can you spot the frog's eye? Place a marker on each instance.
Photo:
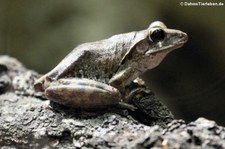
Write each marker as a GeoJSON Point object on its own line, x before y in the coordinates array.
{"type": "Point", "coordinates": [157, 34]}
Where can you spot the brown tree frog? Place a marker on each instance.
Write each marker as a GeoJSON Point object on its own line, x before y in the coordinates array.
{"type": "Point", "coordinates": [95, 74]}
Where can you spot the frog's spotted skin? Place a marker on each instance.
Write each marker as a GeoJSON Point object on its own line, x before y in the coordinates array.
{"type": "Point", "coordinates": [95, 74]}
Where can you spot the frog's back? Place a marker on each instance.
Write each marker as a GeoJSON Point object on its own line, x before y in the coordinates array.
{"type": "Point", "coordinates": [95, 60]}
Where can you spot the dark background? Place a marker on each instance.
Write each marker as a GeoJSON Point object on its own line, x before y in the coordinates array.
{"type": "Point", "coordinates": [191, 80]}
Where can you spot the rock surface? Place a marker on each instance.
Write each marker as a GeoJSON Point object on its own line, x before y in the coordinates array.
{"type": "Point", "coordinates": [28, 120]}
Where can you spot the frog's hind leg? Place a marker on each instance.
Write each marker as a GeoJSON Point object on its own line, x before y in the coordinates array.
{"type": "Point", "coordinates": [82, 93]}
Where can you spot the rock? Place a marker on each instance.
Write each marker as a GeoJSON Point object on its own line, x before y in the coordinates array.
{"type": "Point", "coordinates": [28, 120]}
{"type": "Point", "coordinates": [199, 134]}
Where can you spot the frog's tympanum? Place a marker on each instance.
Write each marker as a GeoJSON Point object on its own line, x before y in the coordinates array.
{"type": "Point", "coordinates": [95, 74]}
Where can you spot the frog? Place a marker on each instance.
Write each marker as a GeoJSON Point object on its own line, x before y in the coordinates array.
{"type": "Point", "coordinates": [95, 74]}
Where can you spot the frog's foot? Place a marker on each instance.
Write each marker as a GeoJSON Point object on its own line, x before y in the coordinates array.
{"type": "Point", "coordinates": [82, 93]}
{"type": "Point", "coordinates": [127, 106]}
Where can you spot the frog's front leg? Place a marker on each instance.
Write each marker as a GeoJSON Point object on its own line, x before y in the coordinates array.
{"type": "Point", "coordinates": [82, 93]}
{"type": "Point", "coordinates": [123, 78]}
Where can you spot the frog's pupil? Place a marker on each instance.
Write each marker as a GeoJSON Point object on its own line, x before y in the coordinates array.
{"type": "Point", "coordinates": [157, 35]}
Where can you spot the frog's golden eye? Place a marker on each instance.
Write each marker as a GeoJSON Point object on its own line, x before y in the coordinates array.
{"type": "Point", "coordinates": [157, 34]}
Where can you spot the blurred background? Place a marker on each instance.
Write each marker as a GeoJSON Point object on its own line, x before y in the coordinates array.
{"type": "Point", "coordinates": [190, 81]}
